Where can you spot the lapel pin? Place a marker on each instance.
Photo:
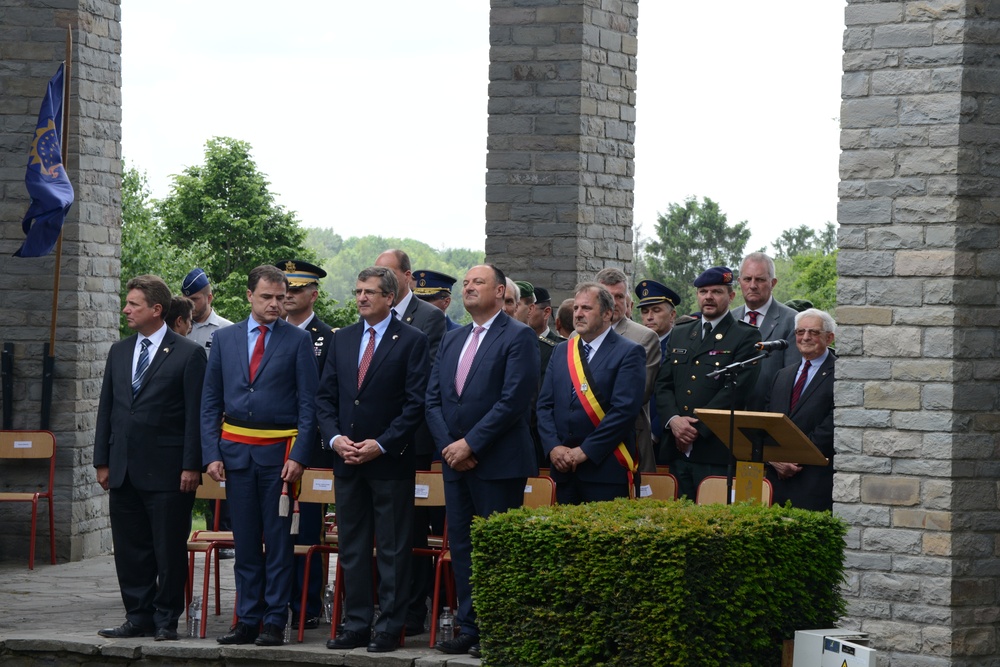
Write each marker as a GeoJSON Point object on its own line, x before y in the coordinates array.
{"type": "Point", "coordinates": [166, 350]}
{"type": "Point", "coordinates": [718, 336]}
{"type": "Point", "coordinates": [395, 336]}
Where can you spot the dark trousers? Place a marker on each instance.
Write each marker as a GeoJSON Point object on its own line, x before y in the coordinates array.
{"type": "Point", "coordinates": [690, 474]}
{"type": "Point", "coordinates": [150, 531]}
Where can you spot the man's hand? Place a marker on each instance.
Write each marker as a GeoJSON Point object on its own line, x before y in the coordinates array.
{"type": "Point", "coordinates": [190, 479]}
{"type": "Point", "coordinates": [566, 459]}
{"type": "Point", "coordinates": [786, 470]}
{"type": "Point", "coordinates": [292, 471]}
{"type": "Point", "coordinates": [216, 471]}
{"type": "Point", "coordinates": [458, 455]}
{"type": "Point", "coordinates": [102, 477]}
{"type": "Point", "coordinates": [684, 431]}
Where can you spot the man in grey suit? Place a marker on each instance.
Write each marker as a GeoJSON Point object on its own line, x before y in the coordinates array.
{"type": "Point", "coordinates": [775, 320]}
{"type": "Point", "coordinates": [147, 452]}
{"type": "Point", "coordinates": [621, 321]}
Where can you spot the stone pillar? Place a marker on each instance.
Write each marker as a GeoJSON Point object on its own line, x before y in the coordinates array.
{"type": "Point", "coordinates": [32, 44]}
{"type": "Point", "coordinates": [917, 392]}
{"type": "Point", "coordinates": [561, 129]}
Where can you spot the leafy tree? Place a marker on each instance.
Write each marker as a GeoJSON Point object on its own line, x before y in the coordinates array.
{"type": "Point", "coordinates": [815, 279]}
{"type": "Point", "coordinates": [794, 241]}
{"type": "Point", "coordinates": [689, 239]}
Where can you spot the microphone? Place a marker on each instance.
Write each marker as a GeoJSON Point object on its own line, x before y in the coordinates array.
{"type": "Point", "coordinates": [771, 345]}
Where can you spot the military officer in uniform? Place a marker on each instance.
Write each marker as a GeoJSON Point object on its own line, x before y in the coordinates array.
{"type": "Point", "coordinates": [658, 307]}
{"type": "Point", "coordinates": [435, 288]}
{"type": "Point", "coordinates": [697, 348]}
{"type": "Point", "coordinates": [303, 290]}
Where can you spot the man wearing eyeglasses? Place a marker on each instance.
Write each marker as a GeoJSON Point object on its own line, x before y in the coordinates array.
{"type": "Point", "coordinates": [369, 404]}
{"type": "Point", "coordinates": [804, 392]}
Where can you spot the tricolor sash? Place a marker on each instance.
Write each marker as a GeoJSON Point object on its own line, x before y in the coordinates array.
{"type": "Point", "coordinates": [584, 386]}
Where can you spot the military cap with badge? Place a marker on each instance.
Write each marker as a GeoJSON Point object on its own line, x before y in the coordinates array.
{"type": "Point", "coordinates": [302, 274]}
{"type": "Point", "coordinates": [432, 284]}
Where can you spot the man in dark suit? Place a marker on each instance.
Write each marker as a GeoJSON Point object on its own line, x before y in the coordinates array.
{"type": "Point", "coordinates": [698, 347]}
{"type": "Point", "coordinates": [805, 393]}
{"type": "Point", "coordinates": [478, 402]}
{"type": "Point", "coordinates": [303, 291]}
{"type": "Point", "coordinates": [262, 378]}
{"type": "Point", "coordinates": [431, 321]}
{"type": "Point", "coordinates": [589, 401]}
{"type": "Point", "coordinates": [370, 401]}
{"type": "Point", "coordinates": [147, 452]}
{"type": "Point", "coordinates": [774, 319]}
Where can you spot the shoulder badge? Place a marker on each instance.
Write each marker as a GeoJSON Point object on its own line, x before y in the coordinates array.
{"type": "Point", "coordinates": [547, 341]}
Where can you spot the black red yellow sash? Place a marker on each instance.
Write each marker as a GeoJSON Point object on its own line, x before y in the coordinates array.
{"type": "Point", "coordinates": [584, 386]}
{"type": "Point", "coordinates": [268, 434]}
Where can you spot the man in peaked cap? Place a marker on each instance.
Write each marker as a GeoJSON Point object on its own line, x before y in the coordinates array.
{"type": "Point", "coordinates": [303, 290]}
{"type": "Point", "coordinates": [657, 304]}
{"type": "Point", "coordinates": [435, 289]}
{"type": "Point", "coordinates": [197, 287]}
{"type": "Point", "coordinates": [697, 348]}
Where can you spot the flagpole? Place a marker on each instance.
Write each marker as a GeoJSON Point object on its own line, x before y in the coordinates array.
{"type": "Point", "coordinates": [48, 361]}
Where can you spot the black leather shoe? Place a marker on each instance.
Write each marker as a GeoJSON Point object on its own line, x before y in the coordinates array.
{"type": "Point", "coordinates": [241, 633]}
{"type": "Point", "coordinates": [165, 635]}
{"type": "Point", "coordinates": [349, 639]}
{"type": "Point", "coordinates": [474, 650]}
{"type": "Point", "coordinates": [383, 642]}
{"type": "Point", "coordinates": [312, 622]}
{"type": "Point", "coordinates": [458, 645]}
{"type": "Point", "coordinates": [125, 630]}
{"type": "Point", "coordinates": [271, 635]}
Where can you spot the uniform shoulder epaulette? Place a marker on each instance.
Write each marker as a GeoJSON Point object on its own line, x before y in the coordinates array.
{"type": "Point", "coordinates": [547, 341]}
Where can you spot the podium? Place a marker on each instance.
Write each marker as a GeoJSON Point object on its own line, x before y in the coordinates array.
{"type": "Point", "coordinates": [781, 440]}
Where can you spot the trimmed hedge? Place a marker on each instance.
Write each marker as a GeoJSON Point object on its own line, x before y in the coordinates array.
{"type": "Point", "coordinates": [653, 583]}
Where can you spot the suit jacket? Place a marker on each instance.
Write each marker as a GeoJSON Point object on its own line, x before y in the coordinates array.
{"type": "Point", "coordinates": [683, 384]}
{"type": "Point", "coordinates": [618, 371]}
{"type": "Point", "coordinates": [650, 342]}
{"type": "Point", "coordinates": [154, 436]}
{"type": "Point", "coordinates": [282, 393]}
{"type": "Point", "coordinates": [492, 412]}
{"type": "Point", "coordinates": [387, 406]}
{"type": "Point", "coordinates": [778, 324]}
{"type": "Point", "coordinates": [428, 319]}
{"type": "Point", "coordinates": [812, 487]}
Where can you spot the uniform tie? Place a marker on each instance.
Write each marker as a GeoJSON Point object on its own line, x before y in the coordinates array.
{"type": "Point", "coordinates": [708, 330]}
{"type": "Point", "coordinates": [141, 366]}
{"type": "Point", "coordinates": [258, 352]}
{"type": "Point", "coordinates": [465, 364]}
{"type": "Point", "coordinates": [799, 386]}
{"type": "Point", "coordinates": [366, 358]}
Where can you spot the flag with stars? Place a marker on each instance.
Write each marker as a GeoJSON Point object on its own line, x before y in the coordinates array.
{"type": "Point", "coordinates": [46, 179]}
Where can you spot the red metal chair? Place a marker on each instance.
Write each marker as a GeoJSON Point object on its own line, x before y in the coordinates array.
{"type": "Point", "coordinates": [22, 445]}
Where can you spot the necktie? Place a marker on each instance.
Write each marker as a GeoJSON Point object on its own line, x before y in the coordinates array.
{"type": "Point", "coordinates": [258, 352]}
{"type": "Point", "coordinates": [799, 385]}
{"type": "Point", "coordinates": [141, 366]}
{"type": "Point", "coordinates": [465, 363]}
{"type": "Point", "coordinates": [587, 349]}
{"type": "Point", "coordinates": [366, 358]}
{"type": "Point", "coordinates": [708, 330]}
{"type": "Point", "coordinates": [753, 315]}
{"type": "Point", "coordinates": [395, 315]}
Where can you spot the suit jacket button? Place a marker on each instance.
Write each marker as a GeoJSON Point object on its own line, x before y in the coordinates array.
{"type": "Point", "coordinates": [251, 390]}
{"type": "Point", "coordinates": [689, 392]}
{"type": "Point", "coordinates": [686, 409]}
{"type": "Point", "coordinates": [357, 402]}
{"type": "Point", "coordinates": [697, 363]}
{"type": "Point", "coordinates": [693, 377]}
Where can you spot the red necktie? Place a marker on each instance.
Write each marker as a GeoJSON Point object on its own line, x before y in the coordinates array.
{"type": "Point", "coordinates": [366, 358]}
{"type": "Point", "coordinates": [753, 315]}
{"type": "Point", "coordinates": [799, 385]}
{"type": "Point", "coordinates": [258, 352]}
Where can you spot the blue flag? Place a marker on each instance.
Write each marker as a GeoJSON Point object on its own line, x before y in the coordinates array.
{"type": "Point", "coordinates": [46, 179]}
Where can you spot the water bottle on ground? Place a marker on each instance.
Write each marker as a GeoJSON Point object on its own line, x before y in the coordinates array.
{"type": "Point", "coordinates": [194, 617]}
{"type": "Point", "coordinates": [328, 604]}
{"type": "Point", "coordinates": [288, 627]}
{"type": "Point", "coordinates": [446, 625]}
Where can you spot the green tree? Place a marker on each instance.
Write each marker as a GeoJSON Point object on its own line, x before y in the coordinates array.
{"type": "Point", "coordinates": [803, 239]}
{"type": "Point", "coordinates": [145, 244]}
{"type": "Point", "coordinates": [689, 239]}
{"type": "Point", "coordinates": [815, 279]}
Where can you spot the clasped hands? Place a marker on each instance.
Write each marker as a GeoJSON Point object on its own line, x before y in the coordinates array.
{"type": "Point", "coordinates": [356, 453]}
{"type": "Point", "coordinates": [566, 459]}
{"type": "Point", "coordinates": [458, 455]}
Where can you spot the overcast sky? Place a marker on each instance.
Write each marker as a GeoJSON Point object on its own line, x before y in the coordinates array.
{"type": "Point", "coordinates": [370, 118]}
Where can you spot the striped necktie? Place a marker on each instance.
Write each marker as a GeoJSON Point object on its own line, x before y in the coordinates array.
{"type": "Point", "coordinates": [141, 366]}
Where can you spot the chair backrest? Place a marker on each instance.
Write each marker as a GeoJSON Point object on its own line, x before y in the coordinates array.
{"type": "Point", "coordinates": [539, 492]}
{"type": "Point", "coordinates": [209, 489]}
{"type": "Point", "coordinates": [317, 486]}
{"type": "Point", "coordinates": [428, 490]}
{"type": "Point", "coordinates": [658, 485]}
{"type": "Point", "coordinates": [713, 490]}
{"type": "Point", "coordinates": [27, 444]}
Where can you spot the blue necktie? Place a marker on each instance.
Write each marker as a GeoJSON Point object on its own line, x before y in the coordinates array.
{"type": "Point", "coordinates": [141, 366]}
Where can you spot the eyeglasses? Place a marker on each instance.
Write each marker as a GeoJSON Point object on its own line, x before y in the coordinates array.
{"type": "Point", "coordinates": [815, 333]}
{"type": "Point", "coordinates": [368, 293]}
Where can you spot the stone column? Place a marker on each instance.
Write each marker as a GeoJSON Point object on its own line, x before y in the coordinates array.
{"type": "Point", "coordinates": [32, 44]}
{"type": "Point", "coordinates": [917, 392]}
{"type": "Point", "coordinates": [561, 131]}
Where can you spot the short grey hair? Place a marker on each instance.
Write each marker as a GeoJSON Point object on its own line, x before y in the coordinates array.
{"type": "Point", "coordinates": [612, 276]}
{"type": "Point", "coordinates": [512, 288]}
{"type": "Point", "coordinates": [386, 280]}
{"type": "Point", "coordinates": [829, 325]}
{"type": "Point", "coordinates": [604, 298]}
{"type": "Point", "coordinates": [759, 258]}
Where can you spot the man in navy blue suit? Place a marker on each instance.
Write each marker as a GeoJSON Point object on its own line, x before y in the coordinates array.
{"type": "Point", "coordinates": [369, 404]}
{"type": "Point", "coordinates": [590, 399]}
{"type": "Point", "coordinates": [262, 378]}
{"type": "Point", "coordinates": [478, 403]}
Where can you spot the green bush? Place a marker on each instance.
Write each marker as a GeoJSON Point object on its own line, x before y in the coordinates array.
{"type": "Point", "coordinates": [653, 583]}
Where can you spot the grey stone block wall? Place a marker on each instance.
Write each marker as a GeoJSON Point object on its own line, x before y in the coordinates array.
{"type": "Point", "coordinates": [917, 384]}
{"type": "Point", "coordinates": [561, 129]}
{"type": "Point", "coordinates": [32, 44]}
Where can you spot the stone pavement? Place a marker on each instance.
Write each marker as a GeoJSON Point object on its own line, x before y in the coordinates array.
{"type": "Point", "coordinates": [51, 615]}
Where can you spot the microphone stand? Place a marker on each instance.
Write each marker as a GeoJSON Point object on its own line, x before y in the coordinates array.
{"type": "Point", "coordinates": [729, 374]}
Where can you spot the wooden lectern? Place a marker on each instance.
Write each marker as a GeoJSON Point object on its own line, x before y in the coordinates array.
{"type": "Point", "coordinates": [782, 441]}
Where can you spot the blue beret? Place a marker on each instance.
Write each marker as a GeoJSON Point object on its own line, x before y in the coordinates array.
{"type": "Point", "coordinates": [651, 292]}
{"type": "Point", "coordinates": [194, 282]}
{"type": "Point", "coordinates": [430, 283]}
{"type": "Point", "coordinates": [717, 275]}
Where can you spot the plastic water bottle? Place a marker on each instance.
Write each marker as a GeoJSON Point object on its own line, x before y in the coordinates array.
{"type": "Point", "coordinates": [288, 626]}
{"type": "Point", "coordinates": [194, 617]}
{"type": "Point", "coordinates": [446, 625]}
{"type": "Point", "coordinates": [328, 605]}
